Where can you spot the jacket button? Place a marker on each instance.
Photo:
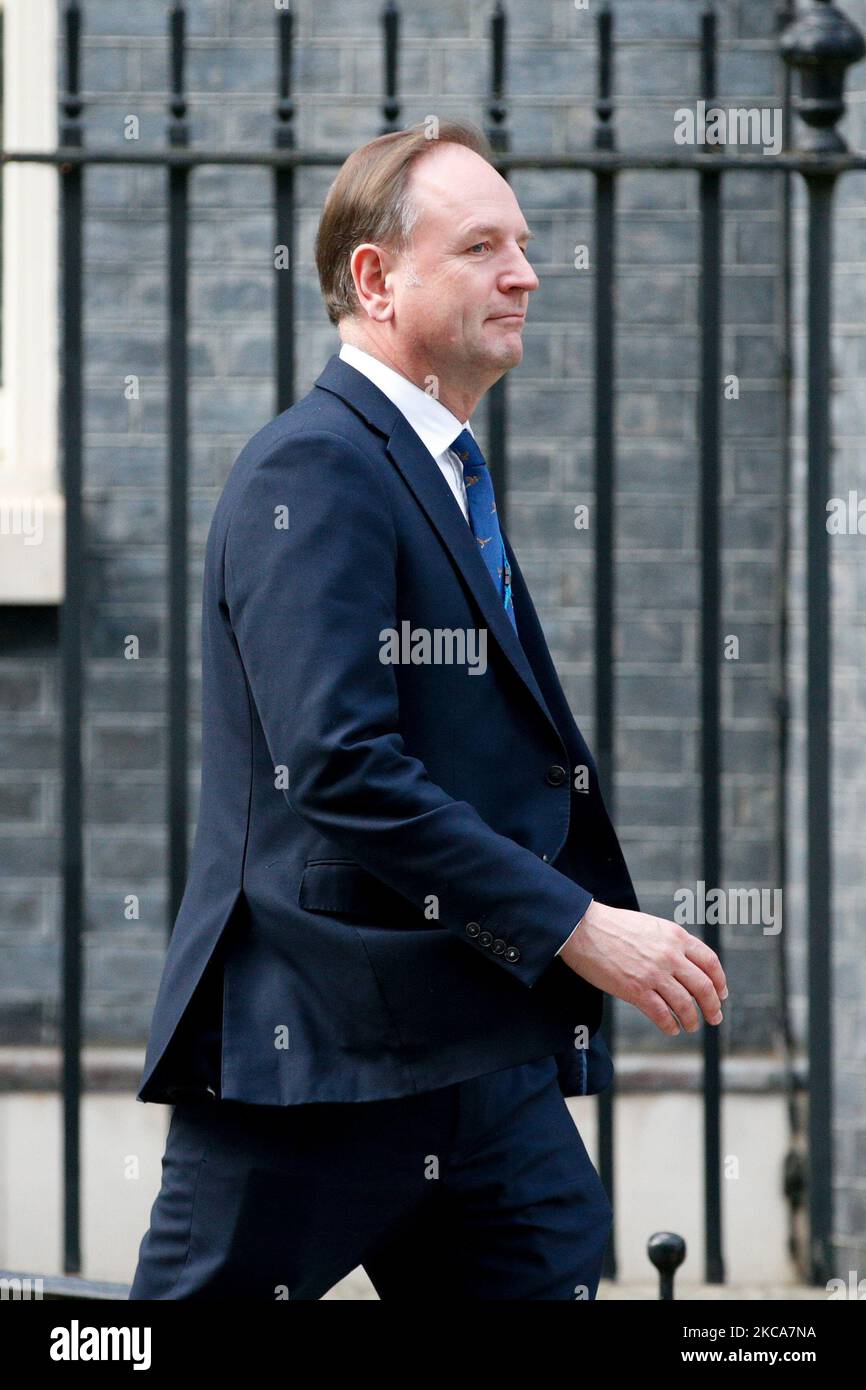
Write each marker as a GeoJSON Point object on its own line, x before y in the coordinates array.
{"type": "Point", "coordinates": [556, 775]}
{"type": "Point", "coordinates": [498, 946]}
{"type": "Point", "coordinates": [485, 938]}
{"type": "Point", "coordinates": [472, 929]}
{"type": "Point", "coordinates": [512, 955]}
{"type": "Point", "coordinates": [545, 858]}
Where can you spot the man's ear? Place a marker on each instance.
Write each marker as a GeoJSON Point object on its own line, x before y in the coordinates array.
{"type": "Point", "coordinates": [371, 268]}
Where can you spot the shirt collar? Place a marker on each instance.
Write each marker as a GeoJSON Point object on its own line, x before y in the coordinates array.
{"type": "Point", "coordinates": [433, 423]}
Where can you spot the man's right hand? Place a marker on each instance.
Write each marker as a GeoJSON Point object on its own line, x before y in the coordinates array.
{"type": "Point", "coordinates": [650, 962]}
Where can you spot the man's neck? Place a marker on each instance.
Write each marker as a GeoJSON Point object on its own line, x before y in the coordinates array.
{"type": "Point", "coordinates": [460, 403]}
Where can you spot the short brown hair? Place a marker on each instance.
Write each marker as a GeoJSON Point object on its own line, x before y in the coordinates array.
{"type": "Point", "coordinates": [371, 200]}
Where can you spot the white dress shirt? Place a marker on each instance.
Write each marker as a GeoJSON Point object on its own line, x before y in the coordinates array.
{"type": "Point", "coordinates": [433, 423]}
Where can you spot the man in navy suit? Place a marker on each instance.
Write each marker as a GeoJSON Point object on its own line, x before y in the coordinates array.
{"type": "Point", "coordinates": [406, 900]}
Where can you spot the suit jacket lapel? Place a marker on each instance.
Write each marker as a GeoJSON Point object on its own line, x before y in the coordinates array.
{"type": "Point", "coordinates": [420, 471]}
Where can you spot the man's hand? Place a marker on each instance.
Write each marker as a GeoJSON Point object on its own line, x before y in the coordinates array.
{"type": "Point", "coordinates": [654, 964]}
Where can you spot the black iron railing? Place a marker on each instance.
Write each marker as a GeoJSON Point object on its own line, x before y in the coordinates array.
{"type": "Point", "coordinates": [819, 46]}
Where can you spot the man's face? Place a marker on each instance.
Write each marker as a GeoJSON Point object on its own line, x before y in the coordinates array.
{"type": "Point", "coordinates": [466, 269]}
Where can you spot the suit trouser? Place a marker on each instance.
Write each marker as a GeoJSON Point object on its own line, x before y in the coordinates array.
{"type": "Point", "coordinates": [479, 1189]}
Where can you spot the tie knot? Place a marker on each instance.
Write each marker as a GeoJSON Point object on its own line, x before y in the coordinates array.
{"type": "Point", "coordinates": [467, 450]}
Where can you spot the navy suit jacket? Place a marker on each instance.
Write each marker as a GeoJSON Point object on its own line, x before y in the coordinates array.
{"type": "Point", "coordinates": [387, 856]}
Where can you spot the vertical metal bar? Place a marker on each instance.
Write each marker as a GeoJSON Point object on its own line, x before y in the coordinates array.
{"type": "Point", "coordinates": [794, 1171]}
{"type": "Point", "coordinates": [71, 191]}
{"type": "Point", "coordinates": [822, 44]}
{"type": "Point", "coordinates": [497, 135]}
{"type": "Point", "coordinates": [391, 34]}
{"type": "Point", "coordinates": [709, 425]}
{"type": "Point", "coordinates": [820, 193]}
{"type": "Point", "coordinates": [604, 365]}
{"type": "Point", "coordinates": [178, 427]}
{"type": "Point", "coordinates": [284, 222]}
{"type": "Point", "coordinates": [604, 256]}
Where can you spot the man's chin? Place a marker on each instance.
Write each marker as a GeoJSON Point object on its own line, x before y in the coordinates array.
{"type": "Point", "coordinates": [491, 360]}
{"type": "Point", "coordinates": [504, 339]}
{"type": "Point", "coordinates": [510, 350]}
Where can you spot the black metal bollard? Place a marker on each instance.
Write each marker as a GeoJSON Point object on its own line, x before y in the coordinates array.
{"type": "Point", "coordinates": [667, 1252]}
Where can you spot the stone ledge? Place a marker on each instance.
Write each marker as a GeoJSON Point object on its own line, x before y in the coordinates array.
{"type": "Point", "coordinates": [118, 1069]}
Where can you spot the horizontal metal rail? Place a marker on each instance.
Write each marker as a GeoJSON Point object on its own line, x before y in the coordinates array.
{"type": "Point", "coordinates": [610, 161]}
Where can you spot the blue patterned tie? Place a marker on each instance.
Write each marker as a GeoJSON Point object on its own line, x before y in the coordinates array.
{"type": "Point", "coordinates": [483, 518]}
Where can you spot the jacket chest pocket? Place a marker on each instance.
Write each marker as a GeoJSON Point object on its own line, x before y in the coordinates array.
{"type": "Point", "coordinates": [341, 886]}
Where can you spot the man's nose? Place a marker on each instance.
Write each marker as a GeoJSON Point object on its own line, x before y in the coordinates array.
{"type": "Point", "coordinates": [521, 273]}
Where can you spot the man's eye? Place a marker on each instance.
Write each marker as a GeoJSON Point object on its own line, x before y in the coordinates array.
{"type": "Point", "coordinates": [524, 249]}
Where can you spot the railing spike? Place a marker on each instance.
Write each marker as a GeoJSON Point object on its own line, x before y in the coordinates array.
{"type": "Point", "coordinates": [284, 135]}
{"type": "Point", "coordinates": [497, 111]}
{"type": "Point", "coordinates": [71, 103]}
{"type": "Point", "coordinates": [605, 137]}
{"type": "Point", "coordinates": [178, 133]}
{"type": "Point", "coordinates": [391, 33]}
